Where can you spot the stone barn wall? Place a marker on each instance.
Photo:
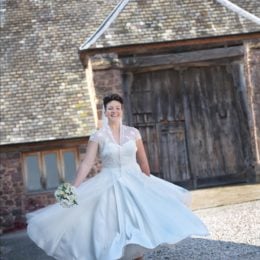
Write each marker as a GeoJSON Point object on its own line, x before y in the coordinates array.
{"type": "Point", "coordinates": [252, 61]}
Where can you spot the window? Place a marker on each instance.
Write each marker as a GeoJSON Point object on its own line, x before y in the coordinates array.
{"type": "Point", "coordinates": [46, 170]}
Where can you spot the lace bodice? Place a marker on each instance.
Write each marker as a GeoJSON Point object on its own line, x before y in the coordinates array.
{"type": "Point", "coordinates": [113, 154]}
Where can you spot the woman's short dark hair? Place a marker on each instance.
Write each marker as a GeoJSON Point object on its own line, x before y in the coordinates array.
{"type": "Point", "coordinates": [112, 97]}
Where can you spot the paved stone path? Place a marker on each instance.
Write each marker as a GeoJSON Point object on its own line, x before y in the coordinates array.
{"type": "Point", "coordinates": [235, 235]}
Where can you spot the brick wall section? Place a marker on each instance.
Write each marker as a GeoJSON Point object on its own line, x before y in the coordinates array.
{"type": "Point", "coordinates": [254, 78]}
{"type": "Point", "coordinates": [106, 82]}
{"type": "Point", "coordinates": [11, 191]}
{"type": "Point", "coordinates": [252, 68]}
{"type": "Point", "coordinates": [44, 94]}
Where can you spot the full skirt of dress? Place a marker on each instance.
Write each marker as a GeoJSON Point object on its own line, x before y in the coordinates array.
{"type": "Point", "coordinates": [121, 213]}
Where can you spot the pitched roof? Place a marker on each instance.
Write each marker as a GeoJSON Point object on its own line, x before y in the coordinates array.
{"type": "Point", "coordinates": [44, 95]}
{"type": "Point", "coordinates": [143, 21]}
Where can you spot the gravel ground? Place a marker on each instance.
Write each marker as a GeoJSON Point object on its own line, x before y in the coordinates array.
{"type": "Point", "coordinates": [234, 229]}
{"type": "Point", "coordinates": [234, 234]}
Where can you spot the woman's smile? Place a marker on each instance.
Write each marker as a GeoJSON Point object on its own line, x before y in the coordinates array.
{"type": "Point", "coordinates": [114, 110]}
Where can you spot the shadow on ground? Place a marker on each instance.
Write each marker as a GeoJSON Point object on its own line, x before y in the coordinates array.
{"type": "Point", "coordinates": [20, 247]}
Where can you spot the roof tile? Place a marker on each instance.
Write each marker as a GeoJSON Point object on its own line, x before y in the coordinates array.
{"type": "Point", "coordinates": [44, 95]}
{"type": "Point", "coordinates": [152, 21]}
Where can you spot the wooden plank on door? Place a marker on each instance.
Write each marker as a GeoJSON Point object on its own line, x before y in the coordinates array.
{"type": "Point", "coordinates": [158, 112]}
{"type": "Point", "coordinates": [149, 135]}
{"type": "Point", "coordinates": [173, 154]}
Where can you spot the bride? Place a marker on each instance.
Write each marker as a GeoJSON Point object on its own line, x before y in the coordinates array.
{"type": "Point", "coordinates": [122, 212]}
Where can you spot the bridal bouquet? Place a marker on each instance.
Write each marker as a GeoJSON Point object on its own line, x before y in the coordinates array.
{"type": "Point", "coordinates": [66, 195]}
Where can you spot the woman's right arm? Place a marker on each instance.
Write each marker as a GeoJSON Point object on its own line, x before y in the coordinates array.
{"type": "Point", "coordinates": [87, 163]}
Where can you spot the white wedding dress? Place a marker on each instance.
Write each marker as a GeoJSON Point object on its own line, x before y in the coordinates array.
{"type": "Point", "coordinates": [122, 212]}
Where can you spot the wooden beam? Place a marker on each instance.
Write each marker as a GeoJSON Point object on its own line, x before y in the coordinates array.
{"type": "Point", "coordinates": [150, 47]}
{"type": "Point", "coordinates": [181, 58]}
{"type": "Point", "coordinates": [42, 145]}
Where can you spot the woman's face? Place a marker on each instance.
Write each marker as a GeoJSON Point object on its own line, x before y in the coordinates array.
{"type": "Point", "coordinates": [114, 111]}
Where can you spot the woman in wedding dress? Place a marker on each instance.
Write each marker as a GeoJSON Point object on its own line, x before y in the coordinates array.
{"type": "Point", "coordinates": [123, 211]}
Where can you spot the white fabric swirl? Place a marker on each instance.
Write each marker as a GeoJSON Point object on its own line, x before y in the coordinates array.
{"type": "Point", "coordinates": [121, 213]}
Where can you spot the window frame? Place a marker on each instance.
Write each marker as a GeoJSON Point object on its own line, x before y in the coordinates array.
{"type": "Point", "coordinates": [42, 166]}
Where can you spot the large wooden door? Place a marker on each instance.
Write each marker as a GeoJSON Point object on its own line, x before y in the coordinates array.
{"type": "Point", "coordinates": [216, 123]}
{"type": "Point", "coordinates": [157, 110]}
{"type": "Point", "coordinates": [193, 122]}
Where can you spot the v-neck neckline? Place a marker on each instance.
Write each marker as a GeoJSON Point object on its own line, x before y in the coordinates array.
{"type": "Point", "coordinates": [113, 137]}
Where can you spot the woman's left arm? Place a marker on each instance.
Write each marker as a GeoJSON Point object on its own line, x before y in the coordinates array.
{"type": "Point", "coordinates": [142, 158]}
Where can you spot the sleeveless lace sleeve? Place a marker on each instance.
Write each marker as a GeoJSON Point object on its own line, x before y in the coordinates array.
{"type": "Point", "coordinates": [135, 134]}
{"type": "Point", "coordinates": [138, 135]}
{"type": "Point", "coordinates": [95, 137]}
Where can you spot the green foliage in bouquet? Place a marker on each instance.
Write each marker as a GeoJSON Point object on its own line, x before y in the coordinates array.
{"type": "Point", "coordinates": [66, 195]}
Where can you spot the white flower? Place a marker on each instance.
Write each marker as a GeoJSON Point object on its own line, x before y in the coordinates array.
{"type": "Point", "coordinates": [66, 195]}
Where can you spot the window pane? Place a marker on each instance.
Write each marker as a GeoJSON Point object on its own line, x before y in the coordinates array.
{"type": "Point", "coordinates": [52, 173]}
{"type": "Point", "coordinates": [33, 173]}
{"type": "Point", "coordinates": [69, 165]}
